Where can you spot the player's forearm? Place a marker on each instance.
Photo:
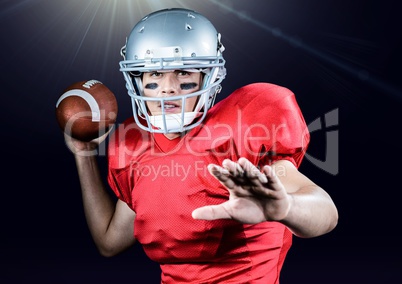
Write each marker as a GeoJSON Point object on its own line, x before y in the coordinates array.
{"type": "Point", "coordinates": [98, 205]}
{"type": "Point", "coordinates": [312, 213]}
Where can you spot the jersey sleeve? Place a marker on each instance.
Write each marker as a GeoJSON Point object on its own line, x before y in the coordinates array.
{"type": "Point", "coordinates": [270, 123]}
{"type": "Point", "coordinates": [125, 143]}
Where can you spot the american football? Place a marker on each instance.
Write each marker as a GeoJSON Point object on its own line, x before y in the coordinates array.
{"type": "Point", "coordinates": [86, 110]}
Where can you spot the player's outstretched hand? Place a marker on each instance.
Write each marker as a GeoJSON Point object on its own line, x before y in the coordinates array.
{"type": "Point", "coordinates": [254, 196]}
{"type": "Point", "coordinates": [85, 148]}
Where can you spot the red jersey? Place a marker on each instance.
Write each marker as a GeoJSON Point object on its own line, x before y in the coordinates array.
{"type": "Point", "coordinates": [163, 181]}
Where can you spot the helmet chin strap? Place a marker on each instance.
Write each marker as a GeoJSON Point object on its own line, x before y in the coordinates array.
{"type": "Point", "coordinates": [173, 121]}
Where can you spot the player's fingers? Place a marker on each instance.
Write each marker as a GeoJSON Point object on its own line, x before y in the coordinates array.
{"type": "Point", "coordinates": [244, 174]}
{"type": "Point", "coordinates": [233, 168]}
{"type": "Point", "coordinates": [102, 138]}
{"type": "Point", "coordinates": [221, 174]}
{"type": "Point", "coordinates": [78, 147]}
{"type": "Point", "coordinates": [228, 181]}
{"type": "Point", "coordinates": [274, 182]}
{"type": "Point", "coordinates": [255, 176]}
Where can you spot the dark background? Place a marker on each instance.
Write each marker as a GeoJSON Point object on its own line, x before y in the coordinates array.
{"type": "Point", "coordinates": [334, 55]}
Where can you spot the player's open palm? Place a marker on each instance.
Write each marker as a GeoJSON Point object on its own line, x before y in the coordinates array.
{"type": "Point", "coordinates": [254, 196]}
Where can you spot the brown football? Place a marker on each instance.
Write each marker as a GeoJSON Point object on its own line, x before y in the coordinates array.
{"type": "Point", "coordinates": [86, 110]}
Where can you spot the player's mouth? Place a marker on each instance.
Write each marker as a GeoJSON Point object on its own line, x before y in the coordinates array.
{"type": "Point", "coordinates": [171, 107]}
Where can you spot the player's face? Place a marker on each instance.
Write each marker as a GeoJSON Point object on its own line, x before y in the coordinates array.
{"type": "Point", "coordinates": [168, 84]}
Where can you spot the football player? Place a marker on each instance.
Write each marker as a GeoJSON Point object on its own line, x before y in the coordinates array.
{"type": "Point", "coordinates": [211, 191]}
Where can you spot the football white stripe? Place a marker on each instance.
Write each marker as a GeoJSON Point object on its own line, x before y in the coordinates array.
{"type": "Point", "coordinates": [87, 97]}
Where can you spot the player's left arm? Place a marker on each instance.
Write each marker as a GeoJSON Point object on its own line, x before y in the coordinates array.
{"type": "Point", "coordinates": [312, 211]}
{"type": "Point", "coordinates": [278, 193]}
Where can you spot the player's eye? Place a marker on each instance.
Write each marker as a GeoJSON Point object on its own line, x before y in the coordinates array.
{"type": "Point", "coordinates": [183, 73]}
{"type": "Point", "coordinates": [156, 74]}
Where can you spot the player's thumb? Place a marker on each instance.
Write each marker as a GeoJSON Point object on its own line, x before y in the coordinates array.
{"type": "Point", "coordinates": [103, 137]}
{"type": "Point", "coordinates": [211, 212]}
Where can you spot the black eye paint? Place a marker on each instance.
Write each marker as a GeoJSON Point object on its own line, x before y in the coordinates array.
{"type": "Point", "coordinates": [151, 86]}
{"type": "Point", "coordinates": [188, 86]}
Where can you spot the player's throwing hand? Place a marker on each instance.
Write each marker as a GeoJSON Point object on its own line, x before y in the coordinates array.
{"type": "Point", "coordinates": [254, 196]}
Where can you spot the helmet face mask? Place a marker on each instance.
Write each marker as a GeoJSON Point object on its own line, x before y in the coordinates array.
{"type": "Point", "coordinates": [173, 39]}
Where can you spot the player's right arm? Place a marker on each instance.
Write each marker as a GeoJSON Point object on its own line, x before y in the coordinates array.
{"type": "Point", "coordinates": [111, 224]}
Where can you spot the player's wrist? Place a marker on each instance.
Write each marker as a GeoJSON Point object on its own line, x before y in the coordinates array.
{"type": "Point", "coordinates": [84, 154]}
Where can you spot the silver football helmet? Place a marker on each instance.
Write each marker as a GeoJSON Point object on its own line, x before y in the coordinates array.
{"type": "Point", "coordinates": [173, 39]}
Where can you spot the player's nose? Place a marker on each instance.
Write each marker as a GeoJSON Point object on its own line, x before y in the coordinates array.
{"type": "Point", "coordinates": [170, 85]}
